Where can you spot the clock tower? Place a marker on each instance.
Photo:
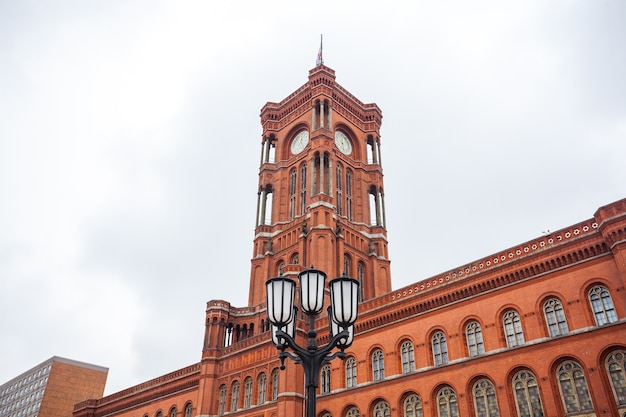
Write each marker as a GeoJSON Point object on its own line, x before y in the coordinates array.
{"type": "Point", "coordinates": [321, 196]}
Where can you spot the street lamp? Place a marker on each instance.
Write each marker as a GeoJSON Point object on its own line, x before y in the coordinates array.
{"type": "Point", "coordinates": [282, 313]}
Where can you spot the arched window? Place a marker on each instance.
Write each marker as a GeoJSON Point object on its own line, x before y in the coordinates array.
{"type": "Point", "coordinates": [407, 357]}
{"type": "Point", "coordinates": [295, 259]}
{"type": "Point", "coordinates": [555, 317]}
{"type": "Point", "coordinates": [325, 378]}
{"type": "Point", "coordinates": [327, 415]}
{"type": "Point", "coordinates": [526, 391]}
{"type": "Point", "coordinates": [440, 349]}
{"type": "Point", "coordinates": [446, 403]}
{"type": "Point", "coordinates": [247, 395]}
{"type": "Point", "coordinates": [189, 408]}
{"type": "Point", "coordinates": [474, 337]}
{"type": "Point", "coordinates": [262, 388]}
{"type": "Point", "coordinates": [346, 264]}
{"type": "Point", "coordinates": [302, 188]}
{"type": "Point", "coordinates": [353, 412]}
{"type": "Point", "coordinates": [361, 279]}
{"type": "Point", "coordinates": [222, 404]}
{"type": "Point", "coordinates": [378, 365]}
{"type": "Point", "coordinates": [602, 305]}
{"type": "Point", "coordinates": [350, 372]}
{"type": "Point", "coordinates": [173, 412]}
{"type": "Point", "coordinates": [234, 400]}
{"type": "Point", "coordinates": [292, 193]}
{"type": "Point", "coordinates": [339, 187]}
{"type": "Point", "coordinates": [413, 406]}
{"type": "Point", "coordinates": [485, 402]}
{"type": "Point", "coordinates": [615, 364]}
{"type": "Point", "coordinates": [381, 409]}
{"type": "Point", "coordinates": [349, 194]}
{"type": "Point", "coordinates": [159, 413]}
{"type": "Point", "coordinates": [573, 388]}
{"type": "Point", "coordinates": [274, 383]}
{"type": "Point", "coordinates": [513, 328]}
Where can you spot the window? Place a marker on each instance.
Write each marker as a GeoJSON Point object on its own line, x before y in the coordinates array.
{"type": "Point", "coordinates": [474, 337]}
{"type": "Point", "coordinates": [485, 402]}
{"type": "Point", "coordinates": [407, 357]}
{"type": "Point", "coordinates": [413, 406]}
{"type": "Point", "coordinates": [602, 305]}
{"type": "Point", "coordinates": [446, 403]}
{"type": "Point", "coordinates": [262, 388]}
{"type": "Point", "coordinates": [325, 377]}
{"type": "Point", "coordinates": [346, 264]}
{"type": "Point", "coordinates": [513, 328]}
{"type": "Point", "coordinates": [159, 413]}
{"type": "Point", "coordinates": [274, 382]}
{"type": "Point", "coordinates": [360, 278]}
{"type": "Point", "coordinates": [526, 391]}
{"type": "Point", "coordinates": [573, 387]}
{"type": "Point", "coordinates": [173, 412]}
{"type": "Point", "coordinates": [353, 412]}
{"type": "Point", "coordinates": [440, 349]}
{"type": "Point", "coordinates": [349, 194]}
{"type": "Point", "coordinates": [381, 409]}
{"type": "Point", "coordinates": [292, 194]}
{"type": "Point", "coordinates": [350, 372]}
{"type": "Point", "coordinates": [378, 365]}
{"type": "Point", "coordinates": [615, 364]}
{"type": "Point", "coordinates": [234, 401]}
{"type": "Point", "coordinates": [555, 317]}
{"type": "Point", "coordinates": [189, 408]}
{"type": "Point", "coordinates": [339, 187]}
{"type": "Point", "coordinates": [302, 188]}
{"type": "Point", "coordinates": [222, 404]}
{"type": "Point", "coordinates": [247, 395]}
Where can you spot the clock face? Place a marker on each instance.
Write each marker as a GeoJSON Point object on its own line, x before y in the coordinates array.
{"type": "Point", "coordinates": [343, 143]}
{"type": "Point", "coordinates": [299, 142]}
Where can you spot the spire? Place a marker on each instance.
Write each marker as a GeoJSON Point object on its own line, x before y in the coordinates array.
{"type": "Point", "coordinates": [320, 60]}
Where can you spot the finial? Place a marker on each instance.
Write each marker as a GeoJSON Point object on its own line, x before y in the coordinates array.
{"type": "Point", "coordinates": [320, 60]}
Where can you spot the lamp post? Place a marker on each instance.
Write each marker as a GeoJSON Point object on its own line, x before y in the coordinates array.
{"type": "Point", "coordinates": [282, 313]}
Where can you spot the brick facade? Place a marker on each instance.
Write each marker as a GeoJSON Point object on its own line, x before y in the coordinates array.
{"type": "Point", "coordinates": [537, 329]}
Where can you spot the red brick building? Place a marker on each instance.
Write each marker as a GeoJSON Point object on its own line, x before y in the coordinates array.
{"type": "Point", "coordinates": [51, 388]}
{"type": "Point", "coordinates": [534, 330]}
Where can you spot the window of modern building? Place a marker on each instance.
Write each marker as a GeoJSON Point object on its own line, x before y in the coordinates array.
{"type": "Point", "coordinates": [274, 382]}
{"type": "Point", "coordinates": [485, 402]}
{"type": "Point", "coordinates": [262, 388]}
{"type": "Point", "coordinates": [555, 317]}
{"type": "Point", "coordinates": [440, 348]}
{"type": "Point", "coordinates": [247, 392]}
{"type": "Point", "coordinates": [513, 328]}
{"type": "Point", "coordinates": [353, 412]}
{"type": "Point", "coordinates": [447, 405]}
{"type": "Point", "coordinates": [407, 357]}
{"type": "Point", "coordinates": [189, 408]}
{"type": "Point", "coordinates": [234, 399]}
{"type": "Point", "coordinates": [573, 388]}
{"type": "Point", "coordinates": [325, 378]}
{"type": "Point", "coordinates": [474, 338]}
{"type": "Point", "coordinates": [412, 406]}
{"type": "Point", "coordinates": [350, 372]}
{"type": "Point", "coordinates": [378, 365]}
{"type": "Point", "coordinates": [381, 409]}
{"type": "Point", "coordinates": [173, 412]}
{"type": "Point", "coordinates": [526, 391]}
{"type": "Point", "coordinates": [602, 305]}
{"type": "Point", "coordinates": [615, 364]}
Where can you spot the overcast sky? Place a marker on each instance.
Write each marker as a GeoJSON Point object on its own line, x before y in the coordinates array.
{"type": "Point", "coordinates": [130, 143]}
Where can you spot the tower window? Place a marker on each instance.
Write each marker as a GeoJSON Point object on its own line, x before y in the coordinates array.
{"type": "Point", "coordinates": [349, 194]}
{"type": "Point", "coordinates": [339, 187]}
{"type": "Point", "coordinates": [292, 194]}
{"type": "Point", "coordinates": [302, 188]}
